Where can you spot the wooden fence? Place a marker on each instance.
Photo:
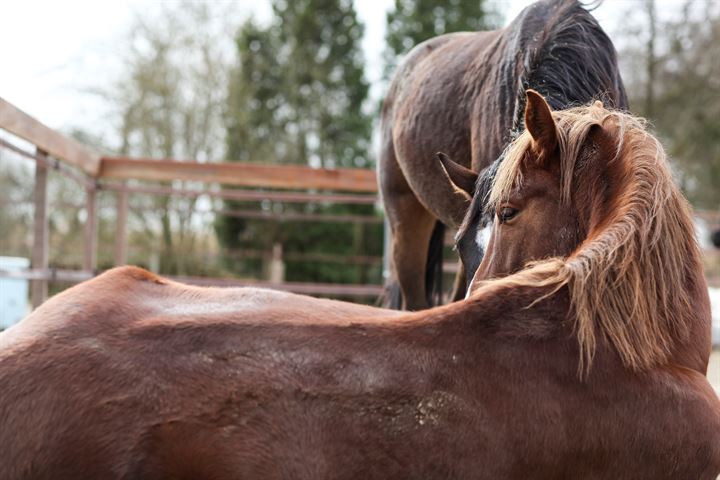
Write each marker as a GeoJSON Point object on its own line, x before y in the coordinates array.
{"type": "Point", "coordinates": [95, 172]}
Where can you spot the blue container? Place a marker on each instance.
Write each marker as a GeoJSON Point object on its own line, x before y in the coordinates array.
{"type": "Point", "coordinates": [14, 303]}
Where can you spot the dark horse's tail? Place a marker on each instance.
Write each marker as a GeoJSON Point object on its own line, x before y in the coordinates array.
{"type": "Point", "coordinates": [434, 266]}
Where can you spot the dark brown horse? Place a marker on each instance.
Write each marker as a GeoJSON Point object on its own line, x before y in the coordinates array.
{"type": "Point", "coordinates": [587, 365]}
{"type": "Point", "coordinates": [463, 94]}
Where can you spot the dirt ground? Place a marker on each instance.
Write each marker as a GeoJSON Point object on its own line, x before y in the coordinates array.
{"type": "Point", "coordinates": [714, 370]}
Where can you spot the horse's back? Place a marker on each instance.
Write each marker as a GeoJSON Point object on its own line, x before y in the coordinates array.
{"type": "Point", "coordinates": [429, 101]}
{"type": "Point", "coordinates": [129, 295]}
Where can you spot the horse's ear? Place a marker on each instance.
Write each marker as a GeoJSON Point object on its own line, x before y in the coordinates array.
{"type": "Point", "coordinates": [540, 124]}
{"type": "Point", "coordinates": [605, 135]}
{"type": "Point", "coordinates": [462, 178]}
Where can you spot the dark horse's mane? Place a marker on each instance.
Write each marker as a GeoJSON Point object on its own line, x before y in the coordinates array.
{"type": "Point", "coordinates": [564, 55]}
{"type": "Point", "coordinates": [557, 48]}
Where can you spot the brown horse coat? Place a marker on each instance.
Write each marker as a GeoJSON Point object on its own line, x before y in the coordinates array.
{"type": "Point", "coordinates": [129, 376]}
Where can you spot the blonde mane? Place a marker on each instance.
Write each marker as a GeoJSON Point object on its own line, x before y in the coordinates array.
{"type": "Point", "coordinates": [630, 280]}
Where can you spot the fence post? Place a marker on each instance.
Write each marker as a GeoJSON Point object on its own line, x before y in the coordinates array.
{"type": "Point", "coordinates": [121, 228]}
{"type": "Point", "coordinates": [39, 260]}
{"type": "Point", "coordinates": [277, 265]}
{"type": "Point", "coordinates": [90, 254]}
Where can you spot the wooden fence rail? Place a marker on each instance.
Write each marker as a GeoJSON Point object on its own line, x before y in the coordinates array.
{"type": "Point", "coordinates": [126, 175]}
{"type": "Point", "coordinates": [240, 174]}
{"type": "Point", "coordinates": [44, 138]}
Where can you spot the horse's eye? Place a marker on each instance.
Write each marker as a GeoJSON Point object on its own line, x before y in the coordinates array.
{"type": "Point", "coordinates": [506, 213]}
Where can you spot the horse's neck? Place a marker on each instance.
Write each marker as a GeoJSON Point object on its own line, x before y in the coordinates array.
{"type": "Point", "coordinates": [513, 312]}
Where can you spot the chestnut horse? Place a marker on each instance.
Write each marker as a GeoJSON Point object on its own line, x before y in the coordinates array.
{"type": "Point", "coordinates": [586, 365]}
{"type": "Point", "coordinates": [463, 94]}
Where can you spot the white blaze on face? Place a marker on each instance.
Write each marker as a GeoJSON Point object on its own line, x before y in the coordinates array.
{"type": "Point", "coordinates": [482, 238]}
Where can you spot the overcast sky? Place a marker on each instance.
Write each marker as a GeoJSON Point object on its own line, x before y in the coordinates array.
{"type": "Point", "coordinates": [52, 51]}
